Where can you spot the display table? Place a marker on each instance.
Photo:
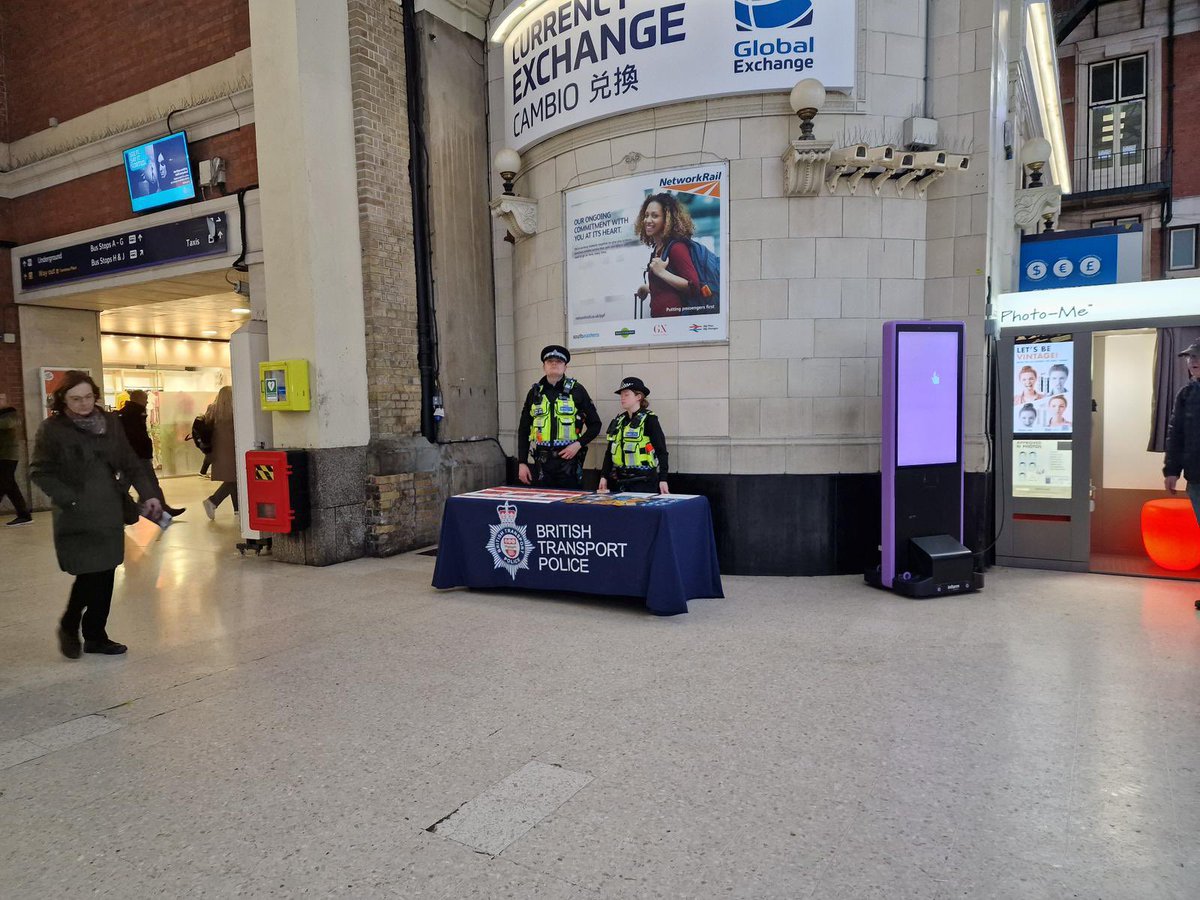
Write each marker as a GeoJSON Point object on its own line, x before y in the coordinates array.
{"type": "Point", "coordinates": [658, 547]}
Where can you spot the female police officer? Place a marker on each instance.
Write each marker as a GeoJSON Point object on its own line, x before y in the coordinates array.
{"type": "Point", "coordinates": [637, 451]}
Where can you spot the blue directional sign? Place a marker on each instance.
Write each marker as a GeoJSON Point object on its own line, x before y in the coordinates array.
{"type": "Point", "coordinates": [1077, 258]}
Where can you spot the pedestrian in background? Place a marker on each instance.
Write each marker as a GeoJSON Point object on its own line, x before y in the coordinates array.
{"type": "Point", "coordinates": [133, 416]}
{"type": "Point", "coordinates": [224, 456]}
{"type": "Point", "coordinates": [10, 455]}
{"type": "Point", "coordinates": [1183, 435]}
{"type": "Point", "coordinates": [83, 462]}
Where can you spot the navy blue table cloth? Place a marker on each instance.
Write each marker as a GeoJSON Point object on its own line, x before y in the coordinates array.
{"type": "Point", "coordinates": [660, 548]}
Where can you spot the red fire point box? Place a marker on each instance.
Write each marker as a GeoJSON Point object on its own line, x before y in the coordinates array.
{"type": "Point", "coordinates": [277, 490]}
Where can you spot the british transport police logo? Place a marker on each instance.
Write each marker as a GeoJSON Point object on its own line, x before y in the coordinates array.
{"type": "Point", "coordinates": [754, 14]}
{"type": "Point", "coordinates": [509, 545]}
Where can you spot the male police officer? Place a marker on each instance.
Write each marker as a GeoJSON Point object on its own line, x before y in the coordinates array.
{"type": "Point", "coordinates": [555, 408]}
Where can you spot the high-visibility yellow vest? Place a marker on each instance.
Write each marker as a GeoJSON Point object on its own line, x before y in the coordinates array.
{"type": "Point", "coordinates": [554, 424]}
{"type": "Point", "coordinates": [630, 447]}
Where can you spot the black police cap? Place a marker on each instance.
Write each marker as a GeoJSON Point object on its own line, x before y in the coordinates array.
{"type": "Point", "coordinates": [554, 351]}
{"type": "Point", "coordinates": [633, 383]}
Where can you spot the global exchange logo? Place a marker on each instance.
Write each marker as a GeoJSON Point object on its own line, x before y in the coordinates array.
{"type": "Point", "coordinates": [509, 545]}
{"type": "Point", "coordinates": [754, 14]}
{"type": "Point", "coordinates": [625, 333]}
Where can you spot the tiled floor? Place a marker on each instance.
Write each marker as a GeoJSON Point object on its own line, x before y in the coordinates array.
{"type": "Point", "coordinates": [277, 731]}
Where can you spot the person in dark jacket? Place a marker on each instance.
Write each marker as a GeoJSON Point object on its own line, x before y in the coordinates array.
{"type": "Point", "coordinates": [10, 443]}
{"type": "Point", "coordinates": [558, 421]}
{"type": "Point", "coordinates": [1183, 435]}
{"type": "Point", "coordinates": [224, 455]}
{"type": "Point", "coordinates": [133, 419]}
{"type": "Point", "coordinates": [636, 460]}
{"type": "Point", "coordinates": [82, 461]}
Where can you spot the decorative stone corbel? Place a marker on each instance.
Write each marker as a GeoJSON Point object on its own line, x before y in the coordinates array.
{"type": "Point", "coordinates": [519, 215]}
{"type": "Point", "coordinates": [1036, 204]}
{"type": "Point", "coordinates": [804, 167]}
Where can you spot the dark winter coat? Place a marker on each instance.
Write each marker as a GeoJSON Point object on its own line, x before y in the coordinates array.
{"type": "Point", "coordinates": [133, 420]}
{"type": "Point", "coordinates": [1183, 434]}
{"type": "Point", "coordinates": [78, 472]}
{"type": "Point", "coordinates": [10, 425]}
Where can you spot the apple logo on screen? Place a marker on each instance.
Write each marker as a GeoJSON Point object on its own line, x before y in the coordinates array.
{"type": "Point", "coordinates": [935, 379]}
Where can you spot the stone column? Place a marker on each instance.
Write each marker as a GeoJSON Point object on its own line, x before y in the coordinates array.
{"type": "Point", "coordinates": [313, 258]}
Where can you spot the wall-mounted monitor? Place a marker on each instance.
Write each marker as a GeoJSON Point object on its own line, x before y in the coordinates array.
{"type": "Point", "coordinates": [159, 173]}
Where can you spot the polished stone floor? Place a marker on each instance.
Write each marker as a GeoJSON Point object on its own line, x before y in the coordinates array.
{"type": "Point", "coordinates": [282, 732]}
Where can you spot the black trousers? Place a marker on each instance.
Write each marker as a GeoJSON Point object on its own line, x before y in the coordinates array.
{"type": "Point", "coordinates": [91, 597]}
{"type": "Point", "coordinates": [9, 488]}
{"type": "Point", "coordinates": [640, 484]}
{"type": "Point", "coordinates": [148, 471]}
{"type": "Point", "coordinates": [227, 489]}
{"type": "Point", "coordinates": [552, 471]}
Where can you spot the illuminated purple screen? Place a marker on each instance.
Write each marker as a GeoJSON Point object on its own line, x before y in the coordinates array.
{"type": "Point", "coordinates": [926, 398]}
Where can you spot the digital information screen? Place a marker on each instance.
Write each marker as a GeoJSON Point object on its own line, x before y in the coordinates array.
{"type": "Point", "coordinates": [1042, 380]}
{"type": "Point", "coordinates": [159, 173]}
{"type": "Point", "coordinates": [1042, 469]}
{"type": "Point", "coordinates": [927, 398]}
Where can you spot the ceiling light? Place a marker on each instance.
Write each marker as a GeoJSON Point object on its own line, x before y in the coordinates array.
{"type": "Point", "coordinates": [208, 333]}
{"type": "Point", "coordinates": [241, 310]}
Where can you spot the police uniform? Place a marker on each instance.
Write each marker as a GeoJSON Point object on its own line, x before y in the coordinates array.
{"type": "Point", "coordinates": [637, 449]}
{"type": "Point", "coordinates": [553, 417]}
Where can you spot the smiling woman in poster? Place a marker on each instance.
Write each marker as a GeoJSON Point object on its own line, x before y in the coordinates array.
{"type": "Point", "coordinates": [672, 283]}
{"type": "Point", "coordinates": [1028, 393]}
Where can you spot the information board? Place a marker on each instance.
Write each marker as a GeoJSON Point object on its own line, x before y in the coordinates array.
{"type": "Point", "coordinates": [133, 249]}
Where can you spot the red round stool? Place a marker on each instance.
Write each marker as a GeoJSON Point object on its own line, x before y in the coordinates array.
{"type": "Point", "coordinates": [1170, 533]}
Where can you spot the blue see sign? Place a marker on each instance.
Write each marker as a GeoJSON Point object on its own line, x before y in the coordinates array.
{"type": "Point", "coordinates": [1077, 258]}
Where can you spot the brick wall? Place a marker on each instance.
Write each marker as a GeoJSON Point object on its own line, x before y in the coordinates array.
{"type": "Point", "coordinates": [380, 99]}
{"type": "Point", "coordinates": [68, 57]}
{"type": "Point", "coordinates": [1066, 79]}
{"type": "Point", "coordinates": [3, 78]}
{"type": "Point", "coordinates": [1187, 113]}
{"type": "Point", "coordinates": [409, 478]}
{"type": "Point", "coordinates": [103, 197]}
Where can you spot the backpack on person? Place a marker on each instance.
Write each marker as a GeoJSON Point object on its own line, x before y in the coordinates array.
{"type": "Point", "coordinates": [708, 269]}
{"type": "Point", "coordinates": [202, 434]}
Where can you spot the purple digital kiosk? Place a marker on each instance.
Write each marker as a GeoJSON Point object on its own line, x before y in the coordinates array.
{"type": "Point", "coordinates": [921, 459]}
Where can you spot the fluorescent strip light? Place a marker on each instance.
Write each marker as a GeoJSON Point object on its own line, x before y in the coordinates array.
{"type": "Point", "coordinates": [509, 19]}
{"type": "Point", "coordinates": [1043, 60]}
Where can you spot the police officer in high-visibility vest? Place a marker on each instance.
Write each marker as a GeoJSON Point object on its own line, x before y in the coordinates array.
{"type": "Point", "coordinates": [558, 421]}
{"type": "Point", "coordinates": [636, 460]}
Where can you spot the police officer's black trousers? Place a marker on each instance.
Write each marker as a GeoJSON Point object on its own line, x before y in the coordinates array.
{"type": "Point", "coordinates": [647, 484]}
{"type": "Point", "coordinates": [552, 471]}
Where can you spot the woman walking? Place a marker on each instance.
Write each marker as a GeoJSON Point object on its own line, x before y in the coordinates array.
{"type": "Point", "coordinates": [83, 462]}
{"type": "Point", "coordinates": [224, 456]}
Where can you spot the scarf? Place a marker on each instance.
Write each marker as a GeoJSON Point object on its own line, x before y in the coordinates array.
{"type": "Point", "coordinates": [94, 423]}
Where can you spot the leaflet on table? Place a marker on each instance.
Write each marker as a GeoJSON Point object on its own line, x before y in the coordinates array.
{"type": "Point", "coordinates": [536, 495]}
{"type": "Point", "coordinates": [1042, 469]}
